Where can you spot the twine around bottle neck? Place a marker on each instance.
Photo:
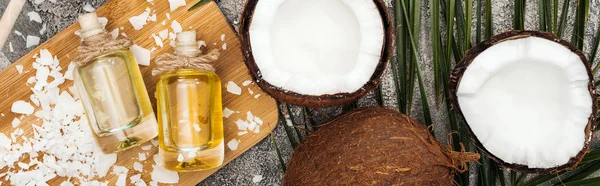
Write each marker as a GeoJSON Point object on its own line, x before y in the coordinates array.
{"type": "Point", "coordinates": [171, 62]}
{"type": "Point", "coordinates": [98, 44]}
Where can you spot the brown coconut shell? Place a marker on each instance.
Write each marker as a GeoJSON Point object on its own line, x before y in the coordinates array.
{"type": "Point", "coordinates": [374, 146]}
{"type": "Point", "coordinates": [462, 66]}
{"type": "Point", "coordinates": [316, 101]}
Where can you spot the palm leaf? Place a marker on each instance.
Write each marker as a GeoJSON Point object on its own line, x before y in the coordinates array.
{"type": "Point", "coordinates": [563, 18]}
{"type": "Point", "coordinates": [488, 19]}
{"type": "Point", "coordinates": [424, 102]}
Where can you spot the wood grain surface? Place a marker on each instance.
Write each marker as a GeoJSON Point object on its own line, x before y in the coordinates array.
{"type": "Point", "coordinates": [210, 24]}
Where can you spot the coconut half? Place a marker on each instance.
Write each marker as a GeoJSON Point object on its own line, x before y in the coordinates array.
{"type": "Point", "coordinates": [529, 100]}
{"type": "Point", "coordinates": [316, 53]}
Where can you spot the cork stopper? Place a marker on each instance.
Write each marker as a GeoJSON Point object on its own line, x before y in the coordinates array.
{"type": "Point", "coordinates": [90, 25]}
{"type": "Point", "coordinates": [187, 44]}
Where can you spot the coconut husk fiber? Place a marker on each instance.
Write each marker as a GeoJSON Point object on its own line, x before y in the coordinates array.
{"type": "Point", "coordinates": [374, 146]}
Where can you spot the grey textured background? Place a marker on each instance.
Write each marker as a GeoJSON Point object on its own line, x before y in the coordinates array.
{"type": "Point", "coordinates": [262, 159]}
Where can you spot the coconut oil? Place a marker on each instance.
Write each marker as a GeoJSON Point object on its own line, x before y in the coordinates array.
{"type": "Point", "coordinates": [114, 96]}
{"type": "Point", "coordinates": [190, 115]}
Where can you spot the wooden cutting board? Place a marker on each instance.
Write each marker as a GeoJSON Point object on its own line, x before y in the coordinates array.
{"type": "Point", "coordinates": [210, 24]}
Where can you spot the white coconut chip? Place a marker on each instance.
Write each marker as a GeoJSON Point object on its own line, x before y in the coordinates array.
{"type": "Point", "coordinates": [256, 130]}
{"type": "Point", "coordinates": [249, 116]}
{"type": "Point", "coordinates": [19, 68]}
{"type": "Point", "coordinates": [234, 88]}
{"type": "Point", "coordinates": [176, 26]}
{"type": "Point", "coordinates": [141, 54]}
{"type": "Point", "coordinates": [241, 124]}
{"type": "Point", "coordinates": [22, 107]}
{"type": "Point", "coordinates": [10, 47]}
{"type": "Point", "coordinates": [32, 41]}
{"type": "Point", "coordinates": [157, 40]}
{"type": "Point", "coordinates": [241, 133]}
{"type": "Point", "coordinates": [43, 30]}
{"type": "Point", "coordinates": [250, 91]}
{"type": "Point", "coordinates": [201, 43]}
{"type": "Point", "coordinates": [147, 147]}
{"type": "Point", "coordinates": [168, 16]}
{"type": "Point", "coordinates": [34, 16]}
{"type": "Point", "coordinates": [164, 34]}
{"type": "Point", "coordinates": [161, 175]}
{"type": "Point", "coordinates": [233, 144]}
{"type": "Point", "coordinates": [257, 178]}
{"type": "Point", "coordinates": [258, 120]}
{"type": "Point", "coordinates": [246, 83]}
{"type": "Point", "coordinates": [139, 21]}
{"type": "Point", "coordinates": [88, 8]}
{"type": "Point", "coordinates": [15, 123]}
{"type": "Point", "coordinates": [174, 4]}
{"type": "Point", "coordinates": [142, 156]}
{"type": "Point", "coordinates": [224, 46]}
{"type": "Point", "coordinates": [227, 112]}
{"type": "Point", "coordinates": [138, 167]}
{"type": "Point", "coordinates": [115, 33]}
{"type": "Point", "coordinates": [256, 96]}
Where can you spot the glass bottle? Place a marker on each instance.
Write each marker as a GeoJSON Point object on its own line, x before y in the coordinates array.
{"type": "Point", "coordinates": [114, 96]}
{"type": "Point", "coordinates": [189, 114]}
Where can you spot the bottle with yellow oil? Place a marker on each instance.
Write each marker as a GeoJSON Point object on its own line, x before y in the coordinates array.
{"type": "Point", "coordinates": [112, 90]}
{"type": "Point", "coordinates": [190, 117]}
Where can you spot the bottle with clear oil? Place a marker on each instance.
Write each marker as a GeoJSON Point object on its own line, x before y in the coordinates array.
{"type": "Point", "coordinates": [190, 117]}
{"type": "Point", "coordinates": [112, 90]}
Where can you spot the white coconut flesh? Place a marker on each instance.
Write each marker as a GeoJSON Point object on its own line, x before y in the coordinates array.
{"type": "Point", "coordinates": [317, 47]}
{"type": "Point", "coordinates": [527, 101]}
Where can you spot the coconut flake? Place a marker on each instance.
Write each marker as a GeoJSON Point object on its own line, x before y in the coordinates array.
{"type": "Point", "coordinates": [88, 8]}
{"type": "Point", "coordinates": [227, 112]}
{"type": "Point", "coordinates": [104, 162]}
{"type": "Point", "coordinates": [139, 21]}
{"type": "Point", "coordinates": [164, 34]}
{"type": "Point", "coordinates": [256, 130]}
{"type": "Point", "coordinates": [22, 107]}
{"type": "Point", "coordinates": [234, 88]}
{"type": "Point", "coordinates": [162, 175]}
{"type": "Point", "coordinates": [241, 133]}
{"type": "Point", "coordinates": [19, 68]}
{"type": "Point", "coordinates": [142, 156]}
{"type": "Point", "coordinates": [241, 124]}
{"type": "Point", "coordinates": [115, 33]}
{"type": "Point", "coordinates": [141, 55]}
{"type": "Point", "coordinates": [147, 147]}
{"type": "Point", "coordinates": [224, 46]}
{"type": "Point", "coordinates": [233, 144]}
{"type": "Point", "coordinates": [246, 83]}
{"type": "Point", "coordinates": [138, 167]}
{"type": "Point", "coordinates": [222, 37]}
{"type": "Point", "coordinates": [176, 26]}
{"type": "Point", "coordinates": [249, 116]}
{"type": "Point", "coordinates": [258, 120]}
{"type": "Point", "coordinates": [43, 30]}
{"type": "Point", "coordinates": [157, 40]}
{"type": "Point", "coordinates": [10, 47]}
{"type": "Point", "coordinates": [174, 4]}
{"type": "Point", "coordinates": [34, 16]}
{"type": "Point", "coordinates": [15, 123]}
{"type": "Point", "coordinates": [257, 178]}
{"type": "Point", "coordinates": [32, 41]}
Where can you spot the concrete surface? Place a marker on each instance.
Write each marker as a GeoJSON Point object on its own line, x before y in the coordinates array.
{"type": "Point", "coordinates": [262, 159]}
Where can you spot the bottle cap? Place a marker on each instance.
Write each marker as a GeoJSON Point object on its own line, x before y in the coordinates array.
{"type": "Point", "coordinates": [90, 25]}
{"type": "Point", "coordinates": [187, 44]}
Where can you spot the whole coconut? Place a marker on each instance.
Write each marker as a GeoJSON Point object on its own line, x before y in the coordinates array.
{"type": "Point", "coordinates": [374, 146]}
